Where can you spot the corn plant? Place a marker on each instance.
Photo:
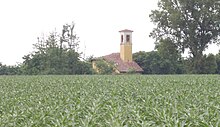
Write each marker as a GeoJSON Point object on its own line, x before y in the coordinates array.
{"type": "Point", "coordinates": [105, 101]}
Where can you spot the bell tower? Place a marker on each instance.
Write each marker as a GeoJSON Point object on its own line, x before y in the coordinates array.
{"type": "Point", "coordinates": [126, 45]}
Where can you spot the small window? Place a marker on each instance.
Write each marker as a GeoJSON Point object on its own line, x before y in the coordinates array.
{"type": "Point", "coordinates": [128, 38]}
{"type": "Point", "coordinates": [121, 38]}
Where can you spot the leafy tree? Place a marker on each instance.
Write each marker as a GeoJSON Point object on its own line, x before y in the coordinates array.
{"type": "Point", "coordinates": [85, 67]}
{"type": "Point", "coordinates": [218, 62]}
{"type": "Point", "coordinates": [170, 55]}
{"type": "Point", "coordinates": [9, 70]}
{"type": "Point", "coordinates": [168, 50]}
{"type": "Point", "coordinates": [143, 59]}
{"type": "Point", "coordinates": [46, 58]}
{"type": "Point", "coordinates": [210, 65]}
{"type": "Point", "coordinates": [153, 63]}
{"type": "Point", "coordinates": [2, 69]}
{"type": "Point", "coordinates": [150, 62]}
{"type": "Point", "coordinates": [57, 54]}
{"type": "Point", "coordinates": [190, 24]}
{"type": "Point", "coordinates": [102, 67]}
{"type": "Point", "coordinates": [33, 64]}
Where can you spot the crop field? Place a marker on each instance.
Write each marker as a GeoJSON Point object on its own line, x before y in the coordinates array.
{"type": "Point", "coordinates": [110, 101]}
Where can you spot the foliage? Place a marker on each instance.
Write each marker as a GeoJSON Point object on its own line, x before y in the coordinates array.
{"type": "Point", "coordinates": [9, 70]}
{"type": "Point", "coordinates": [103, 67]}
{"type": "Point", "coordinates": [56, 55]}
{"type": "Point", "coordinates": [131, 100]}
{"type": "Point", "coordinates": [170, 56]}
{"type": "Point", "coordinates": [85, 67]}
{"type": "Point", "coordinates": [218, 62]}
{"type": "Point", "coordinates": [154, 63]}
{"type": "Point", "coordinates": [147, 60]}
{"type": "Point", "coordinates": [168, 50]}
{"type": "Point", "coordinates": [210, 65]}
{"type": "Point", "coordinates": [131, 71]}
{"type": "Point", "coordinates": [190, 24]}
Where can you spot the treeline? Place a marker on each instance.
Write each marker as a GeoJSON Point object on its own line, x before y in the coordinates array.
{"type": "Point", "coordinates": [153, 63]}
{"type": "Point", "coordinates": [9, 70]}
{"type": "Point", "coordinates": [54, 55]}
{"type": "Point", "coordinates": [167, 59]}
{"type": "Point", "coordinates": [57, 54]}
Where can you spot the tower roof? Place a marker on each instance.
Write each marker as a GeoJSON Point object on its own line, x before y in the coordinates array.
{"type": "Point", "coordinates": [125, 30]}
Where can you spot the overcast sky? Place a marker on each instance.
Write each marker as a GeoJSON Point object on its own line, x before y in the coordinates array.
{"type": "Point", "coordinates": [97, 24]}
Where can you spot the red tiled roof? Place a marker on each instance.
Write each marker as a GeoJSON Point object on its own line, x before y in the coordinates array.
{"type": "Point", "coordinates": [126, 30]}
{"type": "Point", "coordinates": [120, 65]}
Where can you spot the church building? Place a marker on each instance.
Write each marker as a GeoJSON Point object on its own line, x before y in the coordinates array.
{"type": "Point", "coordinates": [123, 62]}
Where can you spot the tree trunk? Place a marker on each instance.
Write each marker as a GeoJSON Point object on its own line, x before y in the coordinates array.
{"type": "Point", "coordinates": [197, 62]}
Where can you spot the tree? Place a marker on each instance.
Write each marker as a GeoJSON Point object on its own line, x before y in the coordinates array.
{"type": "Point", "coordinates": [143, 60]}
{"type": "Point", "coordinates": [148, 61]}
{"type": "Point", "coordinates": [68, 38]}
{"type": "Point", "coordinates": [190, 24]}
{"type": "Point", "coordinates": [56, 54]}
{"type": "Point", "coordinates": [170, 55]}
{"type": "Point", "coordinates": [210, 65]}
{"type": "Point", "coordinates": [103, 67]}
{"type": "Point", "coordinates": [9, 70]}
{"type": "Point", "coordinates": [85, 67]}
{"type": "Point", "coordinates": [154, 63]}
{"type": "Point", "coordinates": [46, 57]}
{"type": "Point", "coordinates": [218, 62]}
{"type": "Point", "coordinates": [168, 50]}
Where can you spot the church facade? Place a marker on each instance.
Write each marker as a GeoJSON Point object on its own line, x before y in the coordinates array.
{"type": "Point", "coordinates": [122, 62]}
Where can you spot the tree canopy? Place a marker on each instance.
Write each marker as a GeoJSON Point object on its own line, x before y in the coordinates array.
{"type": "Point", "coordinates": [57, 54]}
{"type": "Point", "coordinates": [190, 24]}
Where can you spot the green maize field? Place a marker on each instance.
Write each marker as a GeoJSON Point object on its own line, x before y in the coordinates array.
{"type": "Point", "coordinates": [110, 101]}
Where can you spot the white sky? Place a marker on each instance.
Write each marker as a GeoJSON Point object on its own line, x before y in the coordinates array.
{"type": "Point", "coordinates": [97, 24]}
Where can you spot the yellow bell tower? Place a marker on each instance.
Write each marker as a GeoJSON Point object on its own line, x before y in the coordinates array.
{"type": "Point", "coordinates": [126, 45]}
